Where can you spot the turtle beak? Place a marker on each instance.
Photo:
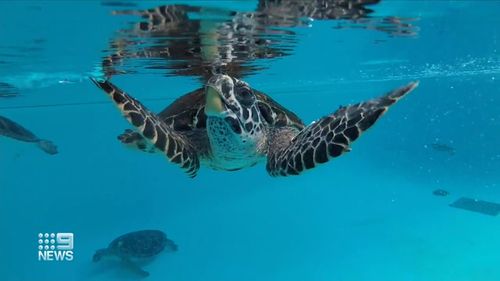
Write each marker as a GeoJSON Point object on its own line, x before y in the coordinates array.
{"type": "Point", "coordinates": [214, 105]}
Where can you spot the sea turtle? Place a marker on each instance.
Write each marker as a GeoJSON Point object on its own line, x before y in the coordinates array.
{"type": "Point", "coordinates": [13, 130]}
{"type": "Point", "coordinates": [136, 246]}
{"type": "Point", "coordinates": [228, 125]}
{"type": "Point", "coordinates": [440, 192]}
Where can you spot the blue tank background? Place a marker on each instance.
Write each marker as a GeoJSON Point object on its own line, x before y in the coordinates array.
{"type": "Point", "coordinates": [369, 215]}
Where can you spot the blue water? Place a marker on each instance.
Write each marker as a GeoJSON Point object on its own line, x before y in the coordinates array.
{"type": "Point", "coordinates": [368, 215]}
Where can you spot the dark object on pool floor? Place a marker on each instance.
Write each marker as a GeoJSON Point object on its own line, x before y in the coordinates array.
{"type": "Point", "coordinates": [13, 130]}
{"type": "Point", "coordinates": [134, 246]}
{"type": "Point", "coordinates": [442, 147]}
{"type": "Point", "coordinates": [478, 206]}
{"type": "Point", "coordinates": [229, 126]}
{"type": "Point", "coordinates": [440, 192]}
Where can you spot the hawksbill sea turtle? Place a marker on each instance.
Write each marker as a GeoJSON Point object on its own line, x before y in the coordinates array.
{"type": "Point", "coordinates": [137, 245]}
{"type": "Point", "coordinates": [13, 130]}
{"type": "Point", "coordinates": [227, 125]}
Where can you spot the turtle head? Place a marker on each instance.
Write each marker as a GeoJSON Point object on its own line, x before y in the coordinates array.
{"type": "Point", "coordinates": [234, 101]}
{"type": "Point", "coordinates": [99, 254]}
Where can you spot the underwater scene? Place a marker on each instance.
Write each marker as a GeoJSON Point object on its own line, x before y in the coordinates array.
{"type": "Point", "coordinates": [349, 140]}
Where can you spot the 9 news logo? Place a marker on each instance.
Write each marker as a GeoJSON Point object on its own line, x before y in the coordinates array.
{"type": "Point", "coordinates": [55, 246]}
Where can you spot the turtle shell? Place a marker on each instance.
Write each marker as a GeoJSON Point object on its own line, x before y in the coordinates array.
{"type": "Point", "coordinates": [141, 244]}
{"type": "Point", "coordinates": [187, 112]}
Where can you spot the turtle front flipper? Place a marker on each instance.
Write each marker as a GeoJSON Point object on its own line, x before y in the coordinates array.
{"type": "Point", "coordinates": [328, 137]}
{"type": "Point", "coordinates": [134, 140]}
{"type": "Point", "coordinates": [47, 146]}
{"type": "Point", "coordinates": [173, 144]}
{"type": "Point", "coordinates": [134, 267]}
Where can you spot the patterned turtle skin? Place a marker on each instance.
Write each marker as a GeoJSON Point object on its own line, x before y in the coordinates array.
{"type": "Point", "coordinates": [228, 125]}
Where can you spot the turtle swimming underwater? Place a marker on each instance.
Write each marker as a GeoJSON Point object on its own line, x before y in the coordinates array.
{"type": "Point", "coordinates": [13, 130]}
{"type": "Point", "coordinates": [228, 125]}
{"type": "Point", "coordinates": [137, 245]}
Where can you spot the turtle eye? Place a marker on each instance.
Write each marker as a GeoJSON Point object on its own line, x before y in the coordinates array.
{"type": "Point", "coordinates": [245, 92]}
{"type": "Point", "coordinates": [245, 96]}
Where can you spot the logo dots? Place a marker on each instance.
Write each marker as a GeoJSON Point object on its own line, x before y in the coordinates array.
{"type": "Point", "coordinates": [44, 243]}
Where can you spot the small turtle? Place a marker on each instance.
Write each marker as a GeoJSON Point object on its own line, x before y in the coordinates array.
{"type": "Point", "coordinates": [134, 246]}
{"type": "Point", "coordinates": [440, 192]}
{"type": "Point", "coordinates": [443, 147]}
{"type": "Point", "coordinates": [13, 130]}
{"type": "Point", "coordinates": [229, 126]}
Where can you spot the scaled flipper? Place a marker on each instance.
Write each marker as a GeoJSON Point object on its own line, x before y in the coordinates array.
{"type": "Point", "coordinates": [173, 144]}
{"type": "Point", "coordinates": [328, 137]}
{"type": "Point", "coordinates": [135, 140]}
